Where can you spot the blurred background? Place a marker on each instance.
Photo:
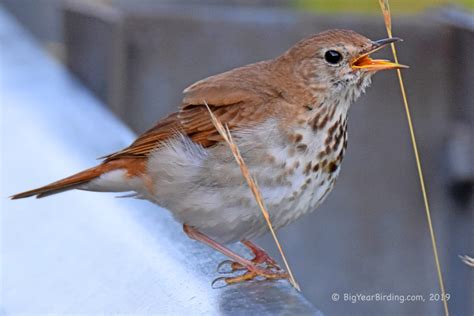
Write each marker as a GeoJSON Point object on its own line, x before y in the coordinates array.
{"type": "Point", "coordinates": [371, 235]}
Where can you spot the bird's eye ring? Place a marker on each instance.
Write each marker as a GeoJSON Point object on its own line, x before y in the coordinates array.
{"type": "Point", "coordinates": [333, 57]}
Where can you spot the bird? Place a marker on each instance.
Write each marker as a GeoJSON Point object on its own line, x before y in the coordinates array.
{"type": "Point", "coordinates": [287, 115]}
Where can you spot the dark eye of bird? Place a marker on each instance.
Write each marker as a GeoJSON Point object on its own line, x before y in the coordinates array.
{"type": "Point", "coordinates": [332, 56]}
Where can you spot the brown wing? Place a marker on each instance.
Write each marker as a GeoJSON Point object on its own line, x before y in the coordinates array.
{"type": "Point", "coordinates": [238, 98]}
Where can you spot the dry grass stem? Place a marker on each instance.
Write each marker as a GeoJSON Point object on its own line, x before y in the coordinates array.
{"type": "Point", "coordinates": [388, 25]}
{"type": "Point", "coordinates": [225, 133]}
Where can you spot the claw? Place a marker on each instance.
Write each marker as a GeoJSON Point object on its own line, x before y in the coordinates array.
{"type": "Point", "coordinates": [234, 266]}
{"type": "Point", "coordinates": [218, 280]}
{"type": "Point", "coordinates": [220, 265]}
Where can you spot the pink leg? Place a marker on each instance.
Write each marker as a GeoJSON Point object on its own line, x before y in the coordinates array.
{"type": "Point", "coordinates": [261, 256]}
{"type": "Point", "coordinates": [253, 270]}
{"type": "Point", "coordinates": [197, 235]}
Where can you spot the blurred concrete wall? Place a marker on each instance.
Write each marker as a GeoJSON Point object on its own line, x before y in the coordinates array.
{"type": "Point", "coordinates": [42, 18]}
{"type": "Point", "coordinates": [371, 235]}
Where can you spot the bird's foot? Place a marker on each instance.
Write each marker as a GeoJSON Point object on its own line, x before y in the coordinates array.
{"type": "Point", "coordinates": [261, 258]}
{"type": "Point", "coordinates": [253, 272]}
{"type": "Point", "coordinates": [262, 266]}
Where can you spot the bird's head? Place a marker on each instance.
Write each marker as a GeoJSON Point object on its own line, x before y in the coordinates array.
{"type": "Point", "coordinates": [336, 64]}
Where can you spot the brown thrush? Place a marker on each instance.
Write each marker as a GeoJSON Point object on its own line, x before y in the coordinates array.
{"type": "Point", "coordinates": [288, 116]}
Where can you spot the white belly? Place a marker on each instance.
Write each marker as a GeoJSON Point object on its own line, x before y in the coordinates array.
{"type": "Point", "coordinates": [204, 188]}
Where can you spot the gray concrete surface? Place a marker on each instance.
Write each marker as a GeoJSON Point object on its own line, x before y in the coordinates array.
{"type": "Point", "coordinates": [89, 253]}
{"type": "Point", "coordinates": [371, 235]}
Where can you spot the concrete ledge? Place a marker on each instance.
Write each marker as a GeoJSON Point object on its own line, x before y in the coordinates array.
{"type": "Point", "coordinates": [82, 252]}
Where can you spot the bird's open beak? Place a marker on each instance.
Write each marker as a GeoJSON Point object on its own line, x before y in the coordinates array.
{"type": "Point", "coordinates": [367, 63]}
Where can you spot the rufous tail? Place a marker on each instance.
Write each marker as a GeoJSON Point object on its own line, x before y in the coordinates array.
{"type": "Point", "coordinates": [79, 179]}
